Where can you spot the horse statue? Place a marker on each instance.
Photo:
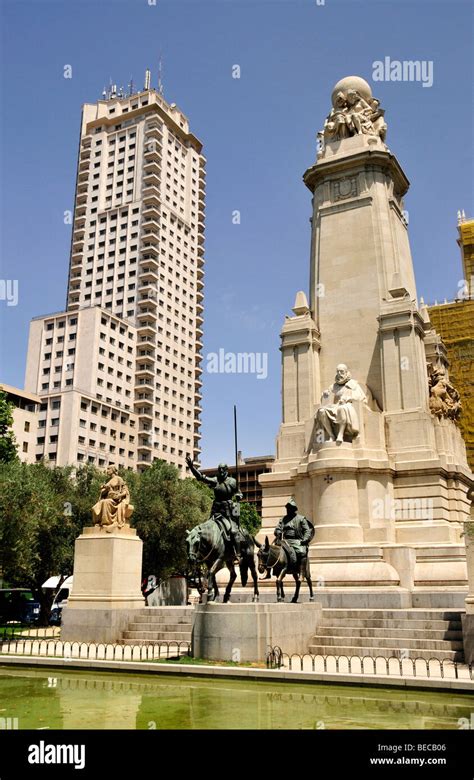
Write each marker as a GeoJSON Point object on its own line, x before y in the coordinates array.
{"type": "Point", "coordinates": [206, 544]}
{"type": "Point", "coordinates": [288, 553]}
{"type": "Point", "coordinates": [276, 557]}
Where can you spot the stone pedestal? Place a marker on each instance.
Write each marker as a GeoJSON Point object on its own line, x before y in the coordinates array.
{"type": "Point", "coordinates": [244, 632]}
{"type": "Point", "coordinates": [388, 504]}
{"type": "Point", "coordinates": [106, 585]}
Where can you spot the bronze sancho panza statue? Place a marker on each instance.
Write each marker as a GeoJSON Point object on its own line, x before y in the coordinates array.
{"type": "Point", "coordinates": [113, 509]}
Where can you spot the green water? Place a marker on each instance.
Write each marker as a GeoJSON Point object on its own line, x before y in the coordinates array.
{"type": "Point", "coordinates": [53, 699]}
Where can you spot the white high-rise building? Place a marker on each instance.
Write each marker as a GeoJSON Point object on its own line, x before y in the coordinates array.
{"type": "Point", "coordinates": [119, 371]}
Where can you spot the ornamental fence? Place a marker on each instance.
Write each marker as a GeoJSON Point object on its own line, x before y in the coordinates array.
{"type": "Point", "coordinates": [37, 644]}
{"type": "Point", "coordinates": [400, 666]}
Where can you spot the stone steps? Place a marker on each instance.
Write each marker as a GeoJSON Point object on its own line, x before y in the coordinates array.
{"type": "Point", "coordinates": [390, 642]}
{"type": "Point", "coordinates": [157, 636]}
{"type": "Point", "coordinates": [393, 614]}
{"type": "Point", "coordinates": [380, 623]}
{"type": "Point", "coordinates": [420, 633]}
{"type": "Point", "coordinates": [400, 633]}
{"type": "Point", "coordinates": [153, 625]}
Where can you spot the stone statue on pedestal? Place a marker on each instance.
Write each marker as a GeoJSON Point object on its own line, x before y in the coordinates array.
{"type": "Point", "coordinates": [354, 112]}
{"type": "Point", "coordinates": [339, 419]}
{"type": "Point", "coordinates": [113, 509]}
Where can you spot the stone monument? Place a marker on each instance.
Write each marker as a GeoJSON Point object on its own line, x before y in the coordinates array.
{"type": "Point", "coordinates": [377, 460]}
{"type": "Point", "coordinates": [107, 570]}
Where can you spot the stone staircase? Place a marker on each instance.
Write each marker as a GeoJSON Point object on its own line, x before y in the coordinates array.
{"type": "Point", "coordinates": [406, 633]}
{"type": "Point", "coordinates": [153, 625]}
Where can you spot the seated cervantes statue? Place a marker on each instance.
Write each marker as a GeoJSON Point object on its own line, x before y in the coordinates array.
{"type": "Point", "coordinates": [337, 416]}
{"type": "Point", "coordinates": [113, 509]}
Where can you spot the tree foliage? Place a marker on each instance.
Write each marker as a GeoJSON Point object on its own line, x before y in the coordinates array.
{"type": "Point", "coordinates": [8, 446]}
{"type": "Point", "coordinates": [43, 510]}
{"type": "Point", "coordinates": [249, 518]}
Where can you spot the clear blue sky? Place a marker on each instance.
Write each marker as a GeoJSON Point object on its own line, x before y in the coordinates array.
{"type": "Point", "coordinates": [259, 137]}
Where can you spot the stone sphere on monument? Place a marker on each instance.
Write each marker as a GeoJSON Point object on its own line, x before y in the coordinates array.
{"type": "Point", "coordinates": [351, 82]}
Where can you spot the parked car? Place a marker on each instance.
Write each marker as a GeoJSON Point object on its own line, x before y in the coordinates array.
{"type": "Point", "coordinates": [18, 604]}
{"type": "Point", "coordinates": [60, 600]}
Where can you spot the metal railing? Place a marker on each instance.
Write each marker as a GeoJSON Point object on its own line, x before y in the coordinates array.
{"type": "Point", "coordinates": [367, 665]}
{"type": "Point", "coordinates": [54, 647]}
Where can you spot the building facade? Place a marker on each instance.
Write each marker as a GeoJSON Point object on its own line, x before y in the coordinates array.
{"type": "Point", "coordinates": [25, 420]}
{"type": "Point", "coordinates": [119, 371]}
{"type": "Point", "coordinates": [454, 321]}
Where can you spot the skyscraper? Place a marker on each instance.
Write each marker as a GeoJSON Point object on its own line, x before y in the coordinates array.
{"type": "Point", "coordinates": [119, 370]}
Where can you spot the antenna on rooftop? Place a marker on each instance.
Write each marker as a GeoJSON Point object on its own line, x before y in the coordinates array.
{"type": "Point", "coordinates": [160, 76]}
{"type": "Point", "coordinates": [130, 86]}
{"type": "Point", "coordinates": [147, 79]}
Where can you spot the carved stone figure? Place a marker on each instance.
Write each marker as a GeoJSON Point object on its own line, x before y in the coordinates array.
{"type": "Point", "coordinates": [445, 400]}
{"type": "Point", "coordinates": [354, 112]}
{"type": "Point", "coordinates": [339, 418]}
{"type": "Point", "coordinates": [113, 509]}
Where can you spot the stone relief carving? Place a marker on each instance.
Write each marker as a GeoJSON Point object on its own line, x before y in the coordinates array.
{"type": "Point", "coordinates": [444, 401]}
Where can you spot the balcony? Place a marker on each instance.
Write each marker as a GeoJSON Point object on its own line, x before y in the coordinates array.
{"type": "Point", "coordinates": [144, 413]}
{"type": "Point", "coordinates": [146, 329]}
{"type": "Point", "coordinates": [79, 222]}
{"type": "Point", "coordinates": [152, 152]}
{"type": "Point", "coordinates": [202, 175]}
{"type": "Point", "coordinates": [201, 239]}
{"type": "Point", "coordinates": [79, 233]}
{"type": "Point", "coordinates": [81, 211]}
{"type": "Point", "coordinates": [147, 313]}
{"type": "Point", "coordinates": [152, 132]}
{"type": "Point", "coordinates": [150, 249]}
{"type": "Point", "coordinates": [145, 360]}
{"type": "Point", "coordinates": [148, 275]}
{"type": "Point", "coordinates": [143, 371]}
{"type": "Point", "coordinates": [76, 259]}
{"type": "Point", "coordinates": [151, 166]}
{"type": "Point", "coordinates": [200, 251]}
{"type": "Point", "coordinates": [151, 180]}
{"type": "Point", "coordinates": [86, 142]}
{"type": "Point", "coordinates": [83, 166]}
{"type": "Point", "coordinates": [148, 263]}
{"type": "Point", "coordinates": [151, 196]}
{"type": "Point", "coordinates": [149, 223]}
{"type": "Point", "coordinates": [144, 403]}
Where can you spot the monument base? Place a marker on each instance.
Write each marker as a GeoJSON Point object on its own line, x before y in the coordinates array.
{"type": "Point", "coordinates": [468, 631]}
{"type": "Point", "coordinates": [106, 585]}
{"type": "Point", "coordinates": [244, 632]}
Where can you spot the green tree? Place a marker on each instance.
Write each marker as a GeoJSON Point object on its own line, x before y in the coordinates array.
{"type": "Point", "coordinates": [166, 506]}
{"type": "Point", "coordinates": [249, 518]}
{"type": "Point", "coordinates": [37, 526]}
{"type": "Point", "coordinates": [8, 446]}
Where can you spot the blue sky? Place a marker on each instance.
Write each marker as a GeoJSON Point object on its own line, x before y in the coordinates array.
{"type": "Point", "coordinates": [259, 135]}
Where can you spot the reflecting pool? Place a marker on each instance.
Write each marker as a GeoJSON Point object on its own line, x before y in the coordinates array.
{"type": "Point", "coordinates": [57, 699]}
